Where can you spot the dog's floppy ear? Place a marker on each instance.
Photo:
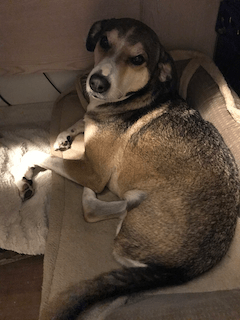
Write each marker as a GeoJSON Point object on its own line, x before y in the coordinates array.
{"type": "Point", "coordinates": [166, 67]}
{"type": "Point", "coordinates": [167, 70]}
{"type": "Point", "coordinates": [94, 34]}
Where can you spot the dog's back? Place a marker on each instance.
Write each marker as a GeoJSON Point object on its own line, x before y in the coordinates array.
{"type": "Point", "coordinates": [191, 179]}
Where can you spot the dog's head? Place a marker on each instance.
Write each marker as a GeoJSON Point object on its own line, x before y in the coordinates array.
{"type": "Point", "coordinates": [127, 55]}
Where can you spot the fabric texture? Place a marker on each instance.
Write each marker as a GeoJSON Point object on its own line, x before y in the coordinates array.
{"type": "Point", "coordinates": [220, 305]}
{"type": "Point", "coordinates": [23, 225]}
{"type": "Point", "coordinates": [77, 250]}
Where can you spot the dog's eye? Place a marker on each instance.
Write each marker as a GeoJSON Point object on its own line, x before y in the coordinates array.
{"type": "Point", "coordinates": [138, 60]}
{"type": "Point", "coordinates": [104, 43]}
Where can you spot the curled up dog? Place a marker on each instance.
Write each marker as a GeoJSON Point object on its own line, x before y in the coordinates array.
{"type": "Point", "coordinates": [176, 178]}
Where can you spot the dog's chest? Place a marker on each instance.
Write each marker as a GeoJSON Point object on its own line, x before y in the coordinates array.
{"type": "Point", "coordinates": [101, 141]}
{"type": "Point", "coordinates": [90, 132]}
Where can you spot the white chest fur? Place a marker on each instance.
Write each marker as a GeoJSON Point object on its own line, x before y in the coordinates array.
{"type": "Point", "coordinates": [90, 131]}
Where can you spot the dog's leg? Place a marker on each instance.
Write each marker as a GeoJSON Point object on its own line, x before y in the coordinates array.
{"type": "Point", "coordinates": [65, 138]}
{"type": "Point", "coordinates": [80, 171]}
{"type": "Point", "coordinates": [24, 172]}
{"type": "Point", "coordinates": [96, 210]}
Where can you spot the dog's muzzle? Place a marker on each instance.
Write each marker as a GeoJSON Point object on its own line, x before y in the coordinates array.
{"type": "Point", "coordinates": [98, 83]}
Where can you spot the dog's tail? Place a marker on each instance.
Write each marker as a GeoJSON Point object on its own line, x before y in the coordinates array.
{"type": "Point", "coordinates": [119, 283]}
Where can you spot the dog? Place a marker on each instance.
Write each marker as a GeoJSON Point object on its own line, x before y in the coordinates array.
{"type": "Point", "coordinates": [177, 180]}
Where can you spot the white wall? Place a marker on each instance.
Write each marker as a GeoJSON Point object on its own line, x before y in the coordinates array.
{"type": "Point", "coordinates": [183, 24]}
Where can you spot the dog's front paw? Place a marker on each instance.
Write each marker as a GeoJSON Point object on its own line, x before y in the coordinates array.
{"type": "Point", "coordinates": [25, 188]}
{"type": "Point", "coordinates": [63, 141]}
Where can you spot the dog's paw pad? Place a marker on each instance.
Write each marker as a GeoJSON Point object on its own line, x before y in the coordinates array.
{"type": "Point", "coordinates": [26, 190]}
{"type": "Point", "coordinates": [28, 194]}
{"type": "Point", "coordinates": [63, 142]}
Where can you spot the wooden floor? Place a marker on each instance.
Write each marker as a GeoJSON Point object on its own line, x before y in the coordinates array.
{"type": "Point", "coordinates": [20, 286]}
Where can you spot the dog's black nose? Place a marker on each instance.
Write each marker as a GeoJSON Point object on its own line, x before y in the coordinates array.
{"type": "Point", "coordinates": [99, 83]}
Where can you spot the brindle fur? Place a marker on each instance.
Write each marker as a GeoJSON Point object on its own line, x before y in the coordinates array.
{"type": "Point", "coordinates": [146, 139]}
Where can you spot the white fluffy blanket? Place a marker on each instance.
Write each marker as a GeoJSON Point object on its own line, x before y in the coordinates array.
{"type": "Point", "coordinates": [23, 225]}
